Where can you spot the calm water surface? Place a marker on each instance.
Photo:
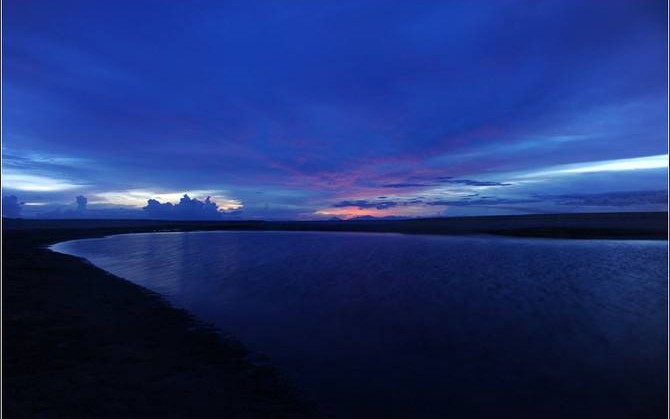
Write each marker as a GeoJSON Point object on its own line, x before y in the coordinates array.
{"type": "Point", "coordinates": [390, 325]}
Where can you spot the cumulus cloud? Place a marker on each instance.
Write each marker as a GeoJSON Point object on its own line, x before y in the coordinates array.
{"type": "Point", "coordinates": [187, 209]}
{"type": "Point", "coordinates": [11, 207]}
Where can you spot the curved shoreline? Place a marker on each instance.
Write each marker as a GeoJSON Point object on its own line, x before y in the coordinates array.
{"type": "Point", "coordinates": [80, 342]}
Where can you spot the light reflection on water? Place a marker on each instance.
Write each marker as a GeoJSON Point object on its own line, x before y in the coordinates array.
{"type": "Point", "coordinates": [391, 325]}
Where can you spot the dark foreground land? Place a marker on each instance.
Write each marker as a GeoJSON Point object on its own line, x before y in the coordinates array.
{"type": "Point", "coordinates": [81, 343]}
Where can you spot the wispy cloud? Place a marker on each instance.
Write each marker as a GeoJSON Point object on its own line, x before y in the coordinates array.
{"type": "Point", "coordinates": [20, 181]}
{"type": "Point", "coordinates": [482, 202]}
{"type": "Point", "coordinates": [405, 185]}
{"type": "Point", "coordinates": [613, 199]}
{"type": "Point", "coordinates": [638, 163]}
{"type": "Point", "coordinates": [442, 180]}
{"type": "Point", "coordinates": [362, 204]}
{"type": "Point", "coordinates": [470, 182]}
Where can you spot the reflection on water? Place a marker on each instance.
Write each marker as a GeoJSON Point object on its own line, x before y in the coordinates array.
{"type": "Point", "coordinates": [386, 325]}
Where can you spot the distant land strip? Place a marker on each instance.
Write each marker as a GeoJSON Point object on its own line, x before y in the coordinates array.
{"type": "Point", "coordinates": [620, 225]}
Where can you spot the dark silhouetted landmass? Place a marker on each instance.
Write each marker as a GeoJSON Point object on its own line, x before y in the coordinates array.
{"type": "Point", "coordinates": [81, 343]}
{"type": "Point", "coordinates": [630, 225]}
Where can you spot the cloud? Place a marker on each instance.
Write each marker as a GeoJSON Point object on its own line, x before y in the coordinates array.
{"type": "Point", "coordinates": [81, 203]}
{"type": "Point", "coordinates": [11, 207]}
{"type": "Point", "coordinates": [76, 209]}
{"type": "Point", "coordinates": [469, 182]}
{"type": "Point", "coordinates": [187, 209]}
{"type": "Point", "coordinates": [443, 180]}
{"type": "Point", "coordinates": [138, 197]}
{"type": "Point", "coordinates": [362, 204]}
{"type": "Point", "coordinates": [405, 185]}
{"type": "Point", "coordinates": [21, 181]}
{"type": "Point", "coordinates": [614, 199]}
{"type": "Point", "coordinates": [659, 161]}
{"type": "Point", "coordinates": [483, 202]}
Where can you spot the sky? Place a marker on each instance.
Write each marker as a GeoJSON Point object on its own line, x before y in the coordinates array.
{"type": "Point", "coordinates": [316, 109]}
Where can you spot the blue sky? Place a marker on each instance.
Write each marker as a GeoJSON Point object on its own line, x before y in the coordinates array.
{"type": "Point", "coordinates": [320, 109]}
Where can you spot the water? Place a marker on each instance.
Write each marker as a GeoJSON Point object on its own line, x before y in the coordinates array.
{"type": "Point", "coordinates": [390, 325]}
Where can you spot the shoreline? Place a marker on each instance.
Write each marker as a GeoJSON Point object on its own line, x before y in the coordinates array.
{"type": "Point", "coordinates": [81, 342]}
